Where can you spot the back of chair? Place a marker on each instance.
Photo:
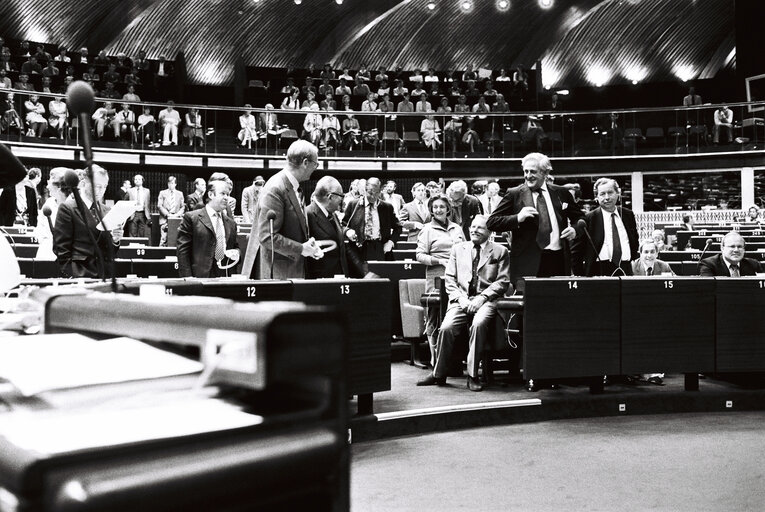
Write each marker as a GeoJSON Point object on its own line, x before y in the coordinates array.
{"type": "Point", "coordinates": [412, 312]}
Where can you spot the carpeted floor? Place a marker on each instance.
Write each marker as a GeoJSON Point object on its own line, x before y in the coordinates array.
{"type": "Point", "coordinates": [673, 462]}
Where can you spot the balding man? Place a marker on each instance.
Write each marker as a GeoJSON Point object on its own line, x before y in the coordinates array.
{"type": "Point", "coordinates": [291, 242]}
{"type": "Point", "coordinates": [464, 206]}
{"type": "Point", "coordinates": [731, 263]}
{"type": "Point", "coordinates": [490, 200]}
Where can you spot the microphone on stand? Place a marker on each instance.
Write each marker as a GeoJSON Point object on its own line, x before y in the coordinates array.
{"type": "Point", "coordinates": [48, 212]}
{"type": "Point", "coordinates": [581, 223]}
{"type": "Point", "coordinates": [703, 252]}
{"type": "Point", "coordinates": [271, 215]}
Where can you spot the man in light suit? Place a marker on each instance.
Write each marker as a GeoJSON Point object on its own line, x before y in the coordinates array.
{"type": "Point", "coordinates": [478, 273]}
{"type": "Point", "coordinates": [250, 197]}
{"type": "Point", "coordinates": [415, 214]}
{"type": "Point", "coordinates": [170, 204]}
{"type": "Point", "coordinates": [464, 206]}
{"type": "Point", "coordinates": [196, 197]}
{"type": "Point", "coordinates": [140, 220]}
{"type": "Point", "coordinates": [323, 225]}
{"type": "Point", "coordinates": [539, 227]}
{"type": "Point", "coordinates": [648, 264]}
{"type": "Point", "coordinates": [490, 200]}
{"type": "Point", "coordinates": [389, 195]}
{"type": "Point", "coordinates": [731, 263]}
{"type": "Point", "coordinates": [291, 241]}
{"type": "Point", "coordinates": [613, 231]}
{"type": "Point", "coordinates": [206, 235]}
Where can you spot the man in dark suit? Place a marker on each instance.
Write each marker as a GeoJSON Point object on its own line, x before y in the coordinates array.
{"type": "Point", "coordinates": [613, 231]}
{"type": "Point", "coordinates": [73, 234]}
{"type": "Point", "coordinates": [323, 225]}
{"type": "Point", "coordinates": [537, 214]}
{"type": "Point", "coordinates": [371, 224]}
{"type": "Point", "coordinates": [206, 236]}
{"type": "Point", "coordinates": [464, 206]}
{"type": "Point", "coordinates": [14, 197]}
{"type": "Point", "coordinates": [196, 198]}
{"type": "Point", "coordinates": [731, 263]}
{"type": "Point", "coordinates": [291, 241]}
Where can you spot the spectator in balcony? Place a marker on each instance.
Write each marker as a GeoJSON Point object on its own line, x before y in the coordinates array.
{"type": "Point", "coordinates": [470, 137]}
{"type": "Point", "coordinates": [328, 103]}
{"type": "Point", "coordinates": [35, 116]}
{"type": "Point", "coordinates": [69, 71]}
{"type": "Point", "coordinates": [163, 73]}
{"type": "Point", "coordinates": [141, 62]}
{"type": "Point", "coordinates": [104, 116]}
{"type": "Point", "coordinates": [346, 76]}
{"type": "Point", "coordinates": [124, 124]}
{"type": "Point", "coordinates": [434, 90]}
{"type": "Point", "coordinates": [248, 125]}
{"type": "Point", "coordinates": [500, 105]}
{"type": "Point", "coordinates": [383, 89]}
{"type": "Point", "coordinates": [102, 59]}
{"type": "Point", "coordinates": [132, 78]}
{"type": "Point", "coordinates": [469, 74]}
{"type": "Point", "coordinates": [351, 133]}
{"type": "Point", "coordinates": [382, 75]}
{"type": "Point", "coordinates": [41, 54]}
{"type": "Point", "coordinates": [46, 88]}
{"type": "Point", "coordinates": [503, 76]}
{"type": "Point", "coordinates": [147, 126]}
{"type": "Point", "coordinates": [471, 91]}
{"type": "Point", "coordinates": [31, 66]}
{"type": "Point", "coordinates": [480, 108]}
{"type": "Point", "coordinates": [431, 76]}
{"type": "Point", "coordinates": [405, 105]}
{"type": "Point", "coordinates": [692, 98]}
{"type": "Point", "coordinates": [360, 89]}
{"type": "Point", "coordinates": [50, 70]}
{"type": "Point", "coordinates": [193, 130]}
{"type": "Point", "coordinates": [268, 123]}
{"type": "Point", "coordinates": [330, 129]}
{"type": "Point", "coordinates": [112, 75]}
{"type": "Point", "coordinates": [131, 96]}
{"type": "Point", "coordinates": [24, 49]}
{"type": "Point", "coordinates": [386, 105]}
{"type": "Point", "coordinates": [363, 73]}
{"type": "Point", "coordinates": [310, 101]}
{"type": "Point", "coordinates": [423, 105]}
{"type": "Point", "coordinates": [57, 116]}
{"type": "Point", "coordinates": [10, 116]}
{"type": "Point", "coordinates": [327, 72]}
{"type": "Point", "coordinates": [326, 88]}
{"type": "Point", "coordinates": [532, 132]}
{"type": "Point", "coordinates": [5, 82]}
{"type": "Point", "coordinates": [110, 92]}
{"type": "Point", "coordinates": [455, 91]}
{"type": "Point", "coordinates": [124, 64]}
{"type": "Point", "coordinates": [723, 122]}
{"type": "Point", "coordinates": [62, 57]}
{"type": "Point", "coordinates": [91, 74]}
{"type": "Point", "coordinates": [346, 104]}
{"type": "Point", "coordinates": [289, 87]}
{"type": "Point", "coordinates": [6, 64]}
{"type": "Point", "coordinates": [67, 82]}
{"type": "Point", "coordinates": [169, 119]}
{"type": "Point", "coordinates": [418, 91]}
{"type": "Point", "coordinates": [520, 79]}
{"type": "Point", "coordinates": [489, 91]}
{"type": "Point", "coordinates": [312, 125]}
{"type": "Point", "coordinates": [400, 90]}
{"type": "Point", "coordinates": [308, 87]}
{"type": "Point", "coordinates": [291, 102]}
{"type": "Point", "coordinates": [343, 88]}
{"type": "Point", "coordinates": [311, 70]}
{"type": "Point", "coordinates": [416, 77]}
{"type": "Point", "coordinates": [81, 56]}
{"type": "Point", "coordinates": [430, 131]}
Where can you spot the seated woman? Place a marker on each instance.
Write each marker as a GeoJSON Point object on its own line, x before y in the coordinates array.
{"type": "Point", "coordinates": [146, 127]}
{"type": "Point", "coordinates": [330, 129]}
{"type": "Point", "coordinates": [248, 132]}
{"type": "Point", "coordinates": [452, 124]}
{"type": "Point", "coordinates": [9, 117]}
{"type": "Point", "coordinates": [291, 102]}
{"type": "Point", "coordinates": [429, 130]}
{"type": "Point", "coordinates": [310, 101]}
{"type": "Point", "coordinates": [312, 125]}
{"type": "Point", "coordinates": [35, 116]}
{"type": "Point", "coordinates": [57, 116]}
{"type": "Point", "coordinates": [434, 243]}
{"type": "Point", "coordinates": [470, 138]}
{"type": "Point", "coordinates": [351, 133]}
{"type": "Point", "coordinates": [193, 130]}
{"type": "Point", "coordinates": [124, 124]}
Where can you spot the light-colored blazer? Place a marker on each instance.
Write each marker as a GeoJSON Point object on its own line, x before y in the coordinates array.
{"type": "Point", "coordinates": [133, 195]}
{"type": "Point", "coordinates": [414, 216]}
{"type": "Point", "coordinates": [170, 203]}
{"type": "Point", "coordinates": [248, 203]}
{"type": "Point", "coordinates": [493, 271]}
{"type": "Point", "coordinates": [659, 267]}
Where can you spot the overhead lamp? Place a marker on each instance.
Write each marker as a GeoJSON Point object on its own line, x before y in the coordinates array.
{"type": "Point", "coordinates": [503, 5]}
{"type": "Point", "coordinates": [298, 2]}
{"type": "Point", "coordinates": [339, 2]}
{"type": "Point", "coordinates": [546, 4]}
{"type": "Point", "coordinates": [466, 5]}
{"type": "Point", "coordinates": [431, 5]}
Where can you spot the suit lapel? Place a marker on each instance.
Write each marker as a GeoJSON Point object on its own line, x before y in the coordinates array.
{"type": "Point", "coordinates": [557, 206]}
{"type": "Point", "coordinates": [292, 194]}
{"type": "Point", "coordinates": [598, 230]}
{"type": "Point", "coordinates": [205, 219]}
{"type": "Point", "coordinates": [485, 255]}
{"type": "Point", "coordinates": [526, 198]}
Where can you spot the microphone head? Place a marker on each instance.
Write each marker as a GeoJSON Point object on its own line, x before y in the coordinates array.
{"type": "Point", "coordinates": [271, 215]}
{"type": "Point", "coordinates": [80, 98]}
{"type": "Point", "coordinates": [708, 242]}
{"type": "Point", "coordinates": [12, 170]}
{"type": "Point", "coordinates": [71, 180]}
{"type": "Point", "coordinates": [581, 223]}
{"type": "Point", "coordinates": [47, 211]}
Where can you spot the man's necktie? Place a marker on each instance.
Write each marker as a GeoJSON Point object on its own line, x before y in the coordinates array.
{"type": "Point", "coordinates": [220, 237]}
{"type": "Point", "coordinates": [734, 272]}
{"type": "Point", "coordinates": [490, 205]}
{"type": "Point", "coordinates": [423, 211]}
{"type": "Point", "coordinates": [616, 254]}
{"type": "Point", "coordinates": [473, 287]}
{"type": "Point", "coordinates": [368, 222]}
{"type": "Point", "coordinates": [543, 233]}
{"type": "Point", "coordinates": [649, 271]}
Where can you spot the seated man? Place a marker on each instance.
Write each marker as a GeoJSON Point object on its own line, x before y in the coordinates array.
{"type": "Point", "coordinates": [731, 263]}
{"type": "Point", "coordinates": [169, 119]}
{"type": "Point", "coordinates": [477, 275]}
{"type": "Point", "coordinates": [724, 123]}
{"type": "Point", "coordinates": [648, 264]}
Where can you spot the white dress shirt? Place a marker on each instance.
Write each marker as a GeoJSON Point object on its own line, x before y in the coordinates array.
{"type": "Point", "coordinates": [554, 244]}
{"type": "Point", "coordinates": [608, 243]}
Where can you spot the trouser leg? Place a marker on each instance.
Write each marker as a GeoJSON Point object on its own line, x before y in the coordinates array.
{"type": "Point", "coordinates": [479, 332]}
{"type": "Point", "coordinates": [454, 323]}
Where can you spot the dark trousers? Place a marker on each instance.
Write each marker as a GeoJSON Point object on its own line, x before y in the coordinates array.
{"type": "Point", "coordinates": [138, 224]}
{"type": "Point", "coordinates": [551, 263]}
{"type": "Point", "coordinates": [606, 268]}
{"type": "Point", "coordinates": [372, 250]}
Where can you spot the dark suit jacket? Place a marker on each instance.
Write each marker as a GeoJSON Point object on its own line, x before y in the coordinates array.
{"type": "Point", "coordinates": [192, 200]}
{"type": "Point", "coordinates": [335, 261]}
{"type": "Point", "coordinates": [8, 206]}
{"type": "Point", "coordinates": [390, 227]}
{"type": "Point", "coordinates": [524, 252]}
{"type": "Point", "coordinates": [74, 249]}
{"type": "Point", "coordinates": [595, 226]}
{"type": "Point", "coordinates": [715, 266]}
{"type": "Point", "coordinates": [471, 207]}
{"type": "Point", "coordinates": [196, 244]}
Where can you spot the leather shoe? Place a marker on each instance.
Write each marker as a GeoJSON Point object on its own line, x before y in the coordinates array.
{"type": "Point", "coordinates": [431, 380]}
{"type": "Point", "coordinates": [474, 384]}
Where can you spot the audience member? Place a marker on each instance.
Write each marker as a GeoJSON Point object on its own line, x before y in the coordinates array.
{"type": "Point", "coordinates": [343, 88]}
{"type": "Point", "coordinates": [429, 131]}
{"type": "Point", "coordinates": [723, 121]}
{"type": "Point", "coordinates": [197, 196]}
{"type": "Point", "coordinates": [141, 219]}
{"type": "Point", "coordinates": [193, 130]}
{"type": "Point", "coordinates": [731, 263]}
{"type": "Point", "coordinates": [35, 116]}
{"type": "Point", "coordinates": [31, 67]}
{"type": "Point", "coordinates": [57, 116]}
{"type": "Point", "coordinates": [147, 127]}
{"type": "Point", "coordinates": [104, 116]}
{"type": "Point", "coordinates": [532, 132]}
{"type": "Point", "coordinates": [361, 89]}
{"type": "Point", "coordinates": [415, 214]}
{"type": "Point", "coordinates": [124, 124]}
{"type": "Point", "coordinates": [169, 119]}
{"type": "Point", "coordinates": [692, 98]}
{"type": "Point", "coordinates": [250, 196]}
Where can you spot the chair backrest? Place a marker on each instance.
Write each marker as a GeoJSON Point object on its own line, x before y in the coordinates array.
{"type": "Point", "coordinates": [555, 136]}
{"type": "Point", "coordinates": [390, 136]}
{"type": "Point", "coordinates": [633, 133]}
{"type": "Point", "coordinates": [676, 130]}
{"type": "Point", "coordinates": [410, 292]}
{"type": "Point", "coordinates": [654, 131]}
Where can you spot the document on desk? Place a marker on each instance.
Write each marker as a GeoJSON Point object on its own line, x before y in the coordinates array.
{"type": "Point", "coordinates": [34, 364]}
{"type": "Point", "coordinates": [119, 214]}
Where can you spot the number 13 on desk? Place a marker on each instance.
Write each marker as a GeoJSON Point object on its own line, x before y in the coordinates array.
{"type": "Point", "coordinates": [345, 289]}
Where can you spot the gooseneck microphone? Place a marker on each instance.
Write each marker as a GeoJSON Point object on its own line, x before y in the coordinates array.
{"type": "Point", "coordinates": [80, 99]}
{"type": "Point", "coordinates": [582, 224]}
{"type": "Point", "coordinates": [707, 244]}
{"type": "Point", "coordinates": [271, 215]}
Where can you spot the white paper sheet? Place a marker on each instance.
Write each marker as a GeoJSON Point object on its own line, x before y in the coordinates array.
{"type": "Point", "coordinates": [118, 214]}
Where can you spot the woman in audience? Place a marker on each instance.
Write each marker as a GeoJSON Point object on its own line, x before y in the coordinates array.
{"type": "Point", "coordinates": [503, 76]}
{"type": "Point", "coordinates": [330, 128]}
{"type": "Point", "coordinates": [429, 130]}
{"type": "Point", "coordinates": [57, 194]}
{"type": "Point", "coordinates": [291, 102]}
{"type": "Point", "coordinates": [434, 243]}
{"type": "Point", "coordinates": [327, 72]}
{"type": "Point", "coordinates": [312, 125]}
{"type": "Point", "coordinates": [471, 138]}
{"type": "Point", "coordinates": [248, 124]}
{"type": "Point", "coordinates": [345, 103]}
{"type": "Point", "coordinates": [35, 116]}
{"type": "Point", "coordinates": [90, 75]}
{"type": "Point", "coordinates": [454, 90]}
{"type": "Point", "coordinates": [400, 90]}
{"type": "Point", "coordinates": [146, 127]}
{"type": "Point", "coordinates": [351, 132]}
{"type": "Point", "coordinates": [310, 101]}
{"type": "Point", "coordinates": [193, 130]}
{"type": "Point", "coordinates": [10, 117]}
{"type": "Point", "coordinates": [57, 118]}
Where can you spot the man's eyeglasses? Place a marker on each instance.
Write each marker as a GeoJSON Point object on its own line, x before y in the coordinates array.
{"type": "Point", "coordinates": [341, 196]}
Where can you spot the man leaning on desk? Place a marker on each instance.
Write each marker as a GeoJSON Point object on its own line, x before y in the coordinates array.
{"type": "Point", "coordinates": [731, 263]}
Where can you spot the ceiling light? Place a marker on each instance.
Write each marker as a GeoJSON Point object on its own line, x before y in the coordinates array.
{"type": "Point", "coordinates": [466, 5]}
{"type": "Point", "coordinates": [431, 5]}
{"type": "Point", "coordinates": [503, 5]}
{"type": "Point", "coordinates": [298, 2]}
{"type": "Point", "coordinates": [339, 2]}
{"type": "Point", "coordinates": [545, 4]}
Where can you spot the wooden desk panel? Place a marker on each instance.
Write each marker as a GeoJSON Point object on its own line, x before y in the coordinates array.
{"type": "Point", "coordinates": [668, 324]}
{"type": "Point", "coordinates": [571, 327]}
{"type": "Point", "coordinates": [396, 271]}
{"type": "Point", "coordinates": [740, 340]}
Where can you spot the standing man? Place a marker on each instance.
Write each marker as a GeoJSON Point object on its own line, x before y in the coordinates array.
{"type": "Point", "coordinates": [19, 201]}
{"type": "Point", "coordinates": [170, 204]}
{"type": "Point", "coordinates": [478, 273]}
{"type": "Point", "coordinates": [372, 225]}
{"type": "Point", "coordinates": [139, 221]}
{"type": "Point", "coordinates": [73, 234]}
{"type": "Point", "coordinates": [196, 197]}
{"type": "Point", "coordinates": [389, 195]}
{"type": "Point", "coordinates": [206, 236]}
{"type": "Point", "coordinates": [415, 214]}
{"type": "Point", "coordinates": [490, 200]}
{"type": "Point", "coordinates": [123, 194]}
{"type": "Point", "coordinates": [613, 231]}
{"type": "Point", "coordinates": [323, 225]}
{"type": "Point", "coordinates": [291, 242]}
{"type": "Point", "coordinates": [537, 214]}
{"type": "Point", "coordinates": [464, 207]}
{"type": "Point", "coordinates": [250, 197]}
{"type": "Point", "coordinates": [731, 263]}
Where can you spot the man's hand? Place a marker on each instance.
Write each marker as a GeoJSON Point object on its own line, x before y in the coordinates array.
{"type": "Point", "coordinates": [351, 235]}
{"type": "Point", "coordinates": [463, 303]}
{"type": "Point", "coordinates": [568, 234]}
{"type": "Point", "coordinates": [117, 235]}
{"type": "Point", "coordinates": [232, 254]}
{"type": "Point", "coordinates": [311, 250]}
{"type": "Point", "coordinates": [527, 212]}
{"type": "Point", "coordinates": [443, 262]}
{"type": "Point", "coordinates": [388, 247]}
{"type": "Point", "coordinates": [475, 304]}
